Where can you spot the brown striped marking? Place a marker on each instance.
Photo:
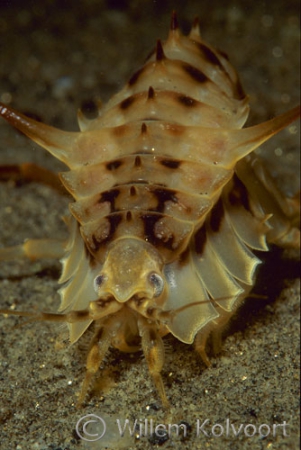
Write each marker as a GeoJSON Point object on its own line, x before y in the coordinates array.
{"type": "Point", "coordinates": [137, 162]}
{"type": "Point", "coordinates": [187, 101]}
{"type": "Point", "coordinates": [149, 222]}
{"type": "Point", "coordinates": [125, 104]}
{"type": "Point", "coordinates": [113, 165]}
{"type": "Point", "coordinates": [164, 195]}
{"type": "Point", "coordinates": [170, 163]}
{"type": "Point", "coordinates": [109, 196]}
{"type": "Point", "coordinates": [194, 73]}
{"type": "Point", "coordinates": [216, 216]}
{"type": "Point", "coordinates": [200, 239]}
{"type": "Point", "coordinates": [239, 195]}
{"type": "Point", "coordinates": [150, 93]}
{"type": "Point", "coordinates": [113, 222]}
{"type": "Point", "coordinates": [134, 78]}
{"type": "Point", "coordinates": [209, 56]}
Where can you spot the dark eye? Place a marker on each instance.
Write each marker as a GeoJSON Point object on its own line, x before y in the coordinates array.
{"type": "Point", "coordinates": [157, 281]}
{"type": "Point", "coordinates": [98, 281]}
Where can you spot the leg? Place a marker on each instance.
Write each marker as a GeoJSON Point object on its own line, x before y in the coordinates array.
{"type": "Point", "coordinates": [28, 172]}
{"type": "Point", "coordinates": [200, 344]}
{"type": "Point", "coordinates": [216, 339]}
{"type": "Point", "coordinates": [215, 329]}
{"type": "Point", "coordinates": [99, 347]}
{"type": "Point", "coordinates": [34, 249]}
{"type": "Point", "coordinates": [153, 350]}
{"type": "Point", "coordinates": [284, 212]}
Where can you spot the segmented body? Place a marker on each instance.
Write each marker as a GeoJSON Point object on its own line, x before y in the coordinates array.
{"type": "Point", "coordinates": [169, 205]}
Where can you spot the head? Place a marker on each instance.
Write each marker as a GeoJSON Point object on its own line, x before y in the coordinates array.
{"type": "Point", "coordinates": [132, 268]}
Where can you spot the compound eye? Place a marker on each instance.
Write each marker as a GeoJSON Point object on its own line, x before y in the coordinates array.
{"type": "Point", "coordinates": [157, 281]}
{"type": "Point", "coordinates": [98, 281]}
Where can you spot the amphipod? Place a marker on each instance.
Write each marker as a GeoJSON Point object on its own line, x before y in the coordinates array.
{"type": "Point", "coordinates": [170, 205]}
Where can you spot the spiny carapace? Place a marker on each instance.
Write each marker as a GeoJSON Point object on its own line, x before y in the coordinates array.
{"type": "Point", "coordinates": [170, 205]}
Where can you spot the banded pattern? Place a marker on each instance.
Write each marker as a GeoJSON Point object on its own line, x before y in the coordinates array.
{"type": "Point", "coordinates": [169, 205]}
